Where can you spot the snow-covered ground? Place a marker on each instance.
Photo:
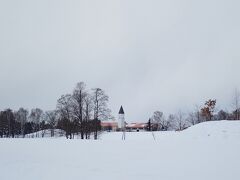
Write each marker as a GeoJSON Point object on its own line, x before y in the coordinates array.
{"type": "Point", "coordinates": [208, 151]}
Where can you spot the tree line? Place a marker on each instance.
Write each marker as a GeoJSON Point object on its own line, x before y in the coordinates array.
{"type": "Point", "coordinates": [78, 114]}
{"type": "Point", "coordinates": [181, 121]}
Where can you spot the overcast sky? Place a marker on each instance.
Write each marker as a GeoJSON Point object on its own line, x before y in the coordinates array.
{"type": "Point", "coordinates": [146, 54]}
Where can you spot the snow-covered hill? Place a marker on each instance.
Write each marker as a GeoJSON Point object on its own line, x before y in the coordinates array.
{"type": "Point", "coordinates": [211, 129]}
{"type": "Point", "coordinates": [218, 129]}
{"type": "Point", "coordinates": [209, 151]}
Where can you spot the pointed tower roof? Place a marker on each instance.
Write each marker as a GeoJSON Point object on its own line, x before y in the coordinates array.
{"type": "Point", "coordinates": [121, 111]}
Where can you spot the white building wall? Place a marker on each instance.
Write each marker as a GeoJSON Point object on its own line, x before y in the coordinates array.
{"type": "Point", "coordinates": [121, 120]}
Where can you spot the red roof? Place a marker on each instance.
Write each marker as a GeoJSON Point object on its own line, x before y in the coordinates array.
{"type": "Point", "coordinates": [136, 125]}
{"type": "Point", "coordinates": [109, 124]}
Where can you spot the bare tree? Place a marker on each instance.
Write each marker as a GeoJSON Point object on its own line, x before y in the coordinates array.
{"type": "Point", "coordinates": [192, 118]}
{"type": "Point", "coordinates": [36, 116]}
{"type": "Point", "coordinates": [9, 115]}
{"type": "Point", "coordinates": [64, 108]}
{"type": "Point", "coordinates": [88, 109]}
{"type": "Point", "coordinates": [195, 117]}
{"type": "Point", "coordinates": [100, 100]}
{"type": "Point", "coordinates": [3, 124]}
{"type": "Point", "coordinates": [180, 121]}
{"type": "Point", "coordinates": [82, 112]}
{"type": "Point", "coordinates": [223, 115]}
{"type": "Point", "coordinates": [101, 110]}
{"type": "Point", "coordinates": [79, 95]}
{"type": "Point", "coordinates": [21, 116]}
{"type": "Point", "coordinates": [162, 123]}
{"type": "Point", "coordinates": [51, 118]}
{"type": "Point", "coordinates": [158, 118]}
{"type": "Point", "coordinates": [171, 119]}
{"type": "Point", "coordinates": [199, 117]}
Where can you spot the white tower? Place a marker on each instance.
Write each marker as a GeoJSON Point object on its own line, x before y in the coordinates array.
{"type": "Point", "coordinates": [121, 119]}
{"type": "Point", "coordinates": [121, 122]}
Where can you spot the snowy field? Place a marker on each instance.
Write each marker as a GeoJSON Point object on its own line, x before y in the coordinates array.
{"type": "Point", "coordinates": [208, 151]}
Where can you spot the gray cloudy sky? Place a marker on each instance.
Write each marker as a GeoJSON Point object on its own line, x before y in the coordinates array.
{"type": "Point", "coordinates": [146, 54]}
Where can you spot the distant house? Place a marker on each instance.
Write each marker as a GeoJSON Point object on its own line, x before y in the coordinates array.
{"type": "Point", "coordinates": [109, 125]}
{"type": "Point", "coordinates": [113, 126]}
{"type": "Point", "coordinates": [136, 126]}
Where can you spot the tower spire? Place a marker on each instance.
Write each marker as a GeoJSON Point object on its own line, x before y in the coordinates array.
{"type": "Point", "coordinates": [121, 111]}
